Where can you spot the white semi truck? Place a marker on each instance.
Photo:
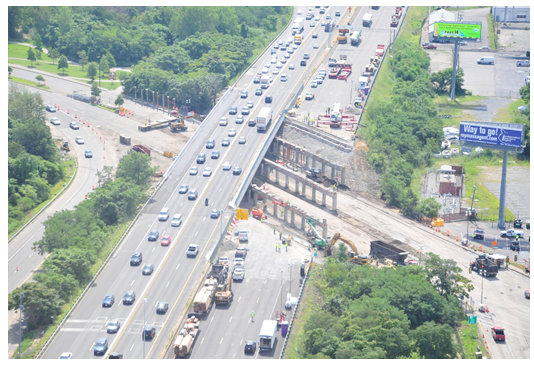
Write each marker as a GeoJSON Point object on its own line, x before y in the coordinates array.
{"type": "Point", "coordinates": [298, 25]}
{"type": "Point", "coordinates": [268, 335]}
{"type": "Point", "coordinates": [264, 118]}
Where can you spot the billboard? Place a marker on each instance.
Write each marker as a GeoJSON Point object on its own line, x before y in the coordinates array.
{"type": "Point", "coordinates": [501, 135]}
{"type": "Point", "coordinates": [457, 30]}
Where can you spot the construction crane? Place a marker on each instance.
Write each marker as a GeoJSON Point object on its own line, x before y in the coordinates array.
{"type": "Point", "coordinates": [318, 239]}
{"type": "Point", "coordinates": [353, 254]}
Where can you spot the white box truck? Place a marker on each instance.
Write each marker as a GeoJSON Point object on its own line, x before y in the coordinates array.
{"type": "Point", "coordinates": [298, 25]}
{"type": "Point", "coordinates": [367, 19]}
{"type": "Point", "coordinates": [268, 335]}
{"type": "Point", "coordinates": [264, 118]}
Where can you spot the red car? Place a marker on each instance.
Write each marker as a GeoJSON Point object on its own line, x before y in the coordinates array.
{"type": "Point", "coordinates": [430, 47]}
{"type": "Point", "coordinates": [498, 334]}
{"type": "Point", "coordinates": [166, 240]}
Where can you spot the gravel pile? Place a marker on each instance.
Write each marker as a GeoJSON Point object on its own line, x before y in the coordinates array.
{"type": "Point", "coordinates": [359, 177]}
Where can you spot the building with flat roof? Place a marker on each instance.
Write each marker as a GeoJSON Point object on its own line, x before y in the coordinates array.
{"type": "Point", "coordinates": [514, 14]}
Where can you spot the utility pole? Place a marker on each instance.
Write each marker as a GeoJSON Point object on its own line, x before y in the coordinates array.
{"type": "Point", "coordinates": [143, 329]}
{"type": "Point", "coordinates": [21, 308]}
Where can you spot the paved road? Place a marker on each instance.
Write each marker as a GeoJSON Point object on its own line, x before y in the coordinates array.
{"type": "Point", "coordinates": [175, 275]}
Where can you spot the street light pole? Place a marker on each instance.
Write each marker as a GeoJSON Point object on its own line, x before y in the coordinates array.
{"type": "Point", "coordinates": [290, 265]}
{"type": "Point", "coordinates": [144, 323]}
{"type": "Point", "coordinates": [21, 308]}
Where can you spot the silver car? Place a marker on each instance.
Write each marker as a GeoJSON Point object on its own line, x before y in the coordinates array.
{"type": "Point", "coordinates": [114, 326]}
{"type": "Point", "coordinates": [227, 165]}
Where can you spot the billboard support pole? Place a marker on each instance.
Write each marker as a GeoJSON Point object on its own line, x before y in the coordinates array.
{"type": "Point", "coordinates": [454, 67]}
{"type": "Point", "coordinates": [502, 223]}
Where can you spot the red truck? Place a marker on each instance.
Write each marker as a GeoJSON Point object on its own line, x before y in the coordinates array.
{"type": "Point", "coordinates": [334, 72]}
{"type": "Point", "coordinates": [380, 50]}
{"type": "Point", "coordinates": [345, 72]}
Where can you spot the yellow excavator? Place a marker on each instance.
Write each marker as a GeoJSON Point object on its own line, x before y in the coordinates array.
{"type": "Point", "coordinates": [353, 254]}
{"type": "Point", "coordinates": [224, 294]}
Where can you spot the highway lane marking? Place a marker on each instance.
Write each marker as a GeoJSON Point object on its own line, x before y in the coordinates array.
{"type": "Point", "coordinates": [240, 343]}
{"type": "Point", "coordinates": [227, 176]}
{"type": "Point", "coordinates": [90, 348]}
{"type": "Point", "coordinates": [177, 267]}
{"type": "Point", "coordinates": [132, 283]}
{"type": "Point", "coordinates": [229, 321]}
{"type": "Point", "coordinates": [212, 320]}
{"type": "Point", "coordinates": [196, 233]}
{"type": "Point", "coordinates": [181, 204]}
{"type": "Point", "coordinates": [204, 218]}
{"type": "Point", "coordinates": [153, 249]}
{"type": "Point", "coordinates": [34, 252]}
{"type": "Point", "coordinates": [202, 341]}
{"type": "Point", "coordinates": [257, 301]}
{"type": "Point", "coordinates": [220, 190]}
{"type": "Point", "coordinates": [131, 348]}
{"type": "Point", "coordinates": [167, 284]}
{"type": "Point", "coordinates": [221, 341]}
{"type": "Point", "coordinates": [239, 299]}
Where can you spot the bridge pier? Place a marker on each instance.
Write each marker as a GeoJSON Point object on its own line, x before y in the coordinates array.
{"type": "Point", "coordinates": [343, 175]}
{"type": "Point", "coordinates": [323, 203]}
{"type": "Point", "coordinates": [292, 215]}
{"type": "Point", "coordinates": [325, 229]}
{"type": "Point", "coordinates": [277, 176]}
{"type": "Point", "coordinates": [314, 191]}
{"type": "Point", "coordinates": [334, 201]}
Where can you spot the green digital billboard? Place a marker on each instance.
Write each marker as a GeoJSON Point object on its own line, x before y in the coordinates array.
{"type": "Point", "coordinates": [457, 30]}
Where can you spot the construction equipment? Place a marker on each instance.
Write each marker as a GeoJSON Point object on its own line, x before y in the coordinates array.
{"type": "Point", "coordinates": [318, 240]}
{"type": "Point", "coordinates": [353, 254]}
{"type": "Point", "coordinates": [380, 50]}
{"type": "Point", "coordinates": [65, 146]}
{"type": "Point", "coordinates": [389, 251]}
{"type": "Point", "coordinates": [179, 125]}
{"type": "Point", "coordinates": [224, 294]}
{"type": "Point", "coordinates": [437, 222]}
{"type": "Point", "coordinates": [125, 140]}
{"type": "Point", "coordinates": [158, 124]}
{"type": "Point", "coordinates": [518, 224]}
{"type": "Point", "coordinates": [184, 342]}
{"type": "Point", "coordinates": [315, 174]}
{"type": "Point", "coordinates": [342, 33]}
{"type": "Point", "coordinates": [257, 213]}
{"type": "Point", "coordinates": [203, 299]}
{"type": "Point", "coordinates": [484, 266]}
{"type": "Point", "coordinates": [141, 149]}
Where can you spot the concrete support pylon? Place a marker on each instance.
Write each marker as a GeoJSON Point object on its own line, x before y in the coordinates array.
{"type": "Point", "coordinates": [343, 175]}
{"type": "Point", "coordinates": [324, 198]}
{"type": "Point", "coordinates": [314, 191]}
{"type": "Point", "coordinates": [304, 188]}
{"type": "Point", "coordinates": [334, 201]}
{"type": "Point", "coordinates": [277, 177]}
{"type": "Point", "coordinates": [275, 209]}
{"type": "Point", "coordinates": [303, 221]}
{"type": "Point", "coordinates": [332, 172]}
{"type": "Point", "coordinates": [292, 215]}
{"type": "Point", "coordinates": [323, 166]}
{"type": "Point", "coordinates": [285, 213]}
{"type": "Point", "coordinates": [325, 229]}
{"type": "Point", "coordinates": [254, 198]}
{"type": "Point", "coordinates": [297, 191]}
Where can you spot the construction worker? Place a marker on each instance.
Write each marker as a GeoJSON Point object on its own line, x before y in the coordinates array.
{"type": "Point", "coordinates": [280, 235]}
{"type": "Point", "coordinates": [282, 211]}
{"type": "Point", "coordinates": [286, 246]}
{"type": "Point", "coordinates": [261, 220]}
{"type": "Point", "coordinates": [517, 237]}
{"type": "Point", "coordinates": [274, 230]}
{"type": "Point", "coordinates": [287, 201]}
{"type": "Point", "coordinates": [252, 316]}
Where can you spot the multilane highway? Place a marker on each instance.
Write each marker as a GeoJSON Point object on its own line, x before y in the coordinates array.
{"type": "Point", "coordinates": [175, 275]}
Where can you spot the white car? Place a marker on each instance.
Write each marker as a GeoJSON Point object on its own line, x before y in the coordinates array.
{"type": "Point", "coordinates": [232, 132]}
{"type": "Point", "coordinates": [283, 60]}
{"type": "Point", "coordinates": [250, 105]}
{"type": "Point", "coordinates": [276, 71]}
{"type": "Point", "coordinates": [523, 63]}
{"type": "Point", "coordinates": [278, 65]}
{"type": "Point", "coordinates": [315, 45]}
{"type": "Point", "coordinates": [273, 60]}
{"type": "Point", "coordinates": [291, 67]}
{"type": "Point", "coordinates": [312, 24]}
{"type": "Point", "coordinates": [79, 140]}
{"type": "Point", "coordinates": [239, 262]}
{"type": "Point", "coordinates": [283, 77]}
{"type": "Point", "coordinates": [239, 274]}
{"type": "Point", "coordinates": [207, 172]}
{"type": "Point", "coordinates": [223, 121]}
{"type": "Point", "coordinates": [314, 84]}
{"type": "Point", "coordinates": [319, 80]}
{"type": "Point", "coordinates": [55, 121]}
{"type": "Point", "coordinates": [227, 165]}
{"type": "Point", "coordinates": [287, 55]}
{"type": "Point", "coordinates": [176, 220]}
{"type": "Point", "coordinates": [65, 356]}
{"type": "Point", "coordinates": [266, 64]}
{"type": "Point", "coordinates": [193, 170]}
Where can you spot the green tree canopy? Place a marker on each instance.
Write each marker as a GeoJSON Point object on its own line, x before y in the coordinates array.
{"type": "Point", "coordinates": [136, 167]}
{"type": "Point", "coordinates": [31, 56]}
{"type": "Point", "coordinates": [63, 63]}
{"type": "Point", "coordinates": [40, 303]}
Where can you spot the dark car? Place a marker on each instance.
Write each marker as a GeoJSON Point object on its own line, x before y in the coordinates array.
{"type": "Point", "coordinates": [498, 334]}
{"type": "Point", "coordinates": [269, 99]}
{"type": "Point", "coordinates": [479, 234]}
{"type": "Point", "coordinates": [250, 347]}
{"type": "Point", "coordinates": [108, 301]}
{"type": "Point", "coordinates": [430, 47]}
{"type": "Point", "coordinates": [201, 158]}
{"type": "Point", "coordinates": [303, 63]}
{"type": "Point", "coordinates": [237, 170]}
{"type": "Point", "coordinates": [115, 355]}
{"type": "Point", "coordinates": [149, 332]}
{"type": "Point", "coordinates": [148, 269]}
{"type": "Point", "coordinates": [233, 110]}
{"type": "Point", "coordinates": [193, 194]}
{"type": "Point", "coordinates": [136, 259]}
{"type": "Point", "coordinates": [162, 307]}
{"type": "Point", "coordinates": [215, 214]}
{"type": "Point", "coordinates": [183, 188]}
{"type": "Point", "coordinates": [88, 154]}
{"type": "Point", "coordinates": [241, 253]}
{"type": "Point", "coordinates": [210, 144]}
{"type": "Point", "coordinates": [101, 346]}
{"type": "Point", "coordinates": [129, 298]}
{"type": "Point", "coordinates": [50, 108]}
{"type": "Point", "coordinates": [153, 236]}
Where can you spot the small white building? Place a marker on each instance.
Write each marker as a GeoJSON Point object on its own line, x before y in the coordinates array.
{"type": "Point", "coordinates": [514, 14]}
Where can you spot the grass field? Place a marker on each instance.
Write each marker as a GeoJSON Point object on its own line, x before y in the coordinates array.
{"type": "Point", "coordinates": [28, 82]}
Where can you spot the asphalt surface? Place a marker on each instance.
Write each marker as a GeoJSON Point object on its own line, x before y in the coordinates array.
{"type": "Point", "coordinates": [175, 275]}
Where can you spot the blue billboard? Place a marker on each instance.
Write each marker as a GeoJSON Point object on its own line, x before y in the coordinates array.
{"type": "Point", "coordinates": [497, 135]}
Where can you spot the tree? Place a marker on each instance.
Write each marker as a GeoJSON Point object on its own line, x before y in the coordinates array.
{"type": "Point", "coordinates": [136, 166]}
{"type": "Point", "coordinates": [40, 303]}
{"type": "Point", "coordinates": [91, 71]}
{"type": "Point", "coordinates": [9, 70]}
{"type": "Point", "coordinates": [244, 30]}
{"type": "Point", "coordinates": [95, 90]}
{"type": "Point", "coordinates": [38, 54]}
{"type": "Point", "coordinates": [103, 67]}
{"type": "Point", "coordinates": [54, 54]}
{"type": "Point", "coordinates": [110, 59]}
{"type": "Point", "coordinates": [63, 63]}
{"type": "Point", "coordinates": [434, 341]}
{"type": "Point", "coordinates": [105, 175]}
{"type": "Point", "coordinates": [82, 58]}
{"type": "Point", "coordinates": [445, 276]}
{"type": "Point", "coordinates": [429, 207]}
{"type": "Point", "coordinates": [31, 56]}
{"type": "Point", "coordinates": [36, 138]}
{"type": "Point", "coordinates": [64, 284]}
{"type": "Point", "coordinates": [40, 78]}
{"type": "Point", "coordinates": [38, 42]}
{"type": "Point", "coordinates": [74, 261]}
{"type": "Point", "coordinates": [119, 100]}
{"type": "Point", "coordinates": [342, 253]}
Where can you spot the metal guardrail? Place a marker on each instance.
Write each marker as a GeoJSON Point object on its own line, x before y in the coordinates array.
{"type": "Point", "coordinates": [49, 203]}
{"type": "Point", "coordinates": [293, 315]}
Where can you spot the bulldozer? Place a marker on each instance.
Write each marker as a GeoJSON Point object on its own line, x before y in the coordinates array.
{"type": "Point", "coordinates": [353, 254]}
{"type": "Point", "coordinates": [65, 146]}
{"type": "Point", "coordinates": [224, 294]}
